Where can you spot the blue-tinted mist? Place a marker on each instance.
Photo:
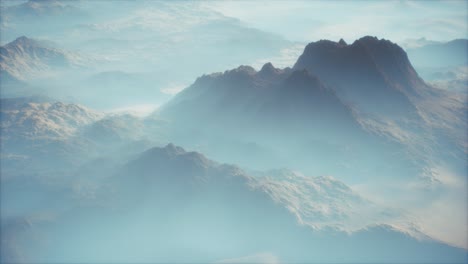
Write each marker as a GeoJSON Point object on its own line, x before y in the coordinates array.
{"type": "Point", "coordinates": [135, 131]}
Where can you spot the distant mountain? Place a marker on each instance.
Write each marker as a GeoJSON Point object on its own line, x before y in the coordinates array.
{"type": "Point", "coordinates": [443, 64]}
{"type": "Point", "coordinates": [41, 118]}
{"type": "Point", "coordinates": [117, 128]}
{"type": "Point", "coordinates": [43, 131]}
{"type": "Point", "coordinates": [439, 55]}
{"type": "Point", "coordinates": [451, 78]}
{"type": "Point", "coordinates": [150, 33]}
{"type": "Point", "coordinates": [416, 43]}
{"type": "Point", "coordinates": [38, 8]}
{"type": "Point", "coordinates": [180, 206]}
{"type": "Point", "coordinates": [26, 58]}
{"type": "Point", "coordinates": [56, 13]}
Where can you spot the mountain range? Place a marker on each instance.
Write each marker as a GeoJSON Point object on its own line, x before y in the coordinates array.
{"type": "Point", "coordinates": [38, 132]}
{"type": "Point", "coordinates": [38, 8]}
{"type": "Point", "coordinates": [233, 132]}
{"type": "Point", "coordinates": [368, 89]}
{"type": "Point", "coordinates": [359, 112]}
{"type": "Point", "coordinates": [42, 136]}
{"type": "Point", "coordinates": [296, 114]}
{"type": "Point", "coordinates": [168, 201]}
{"type": "Point", "coordinates": [25, 58]}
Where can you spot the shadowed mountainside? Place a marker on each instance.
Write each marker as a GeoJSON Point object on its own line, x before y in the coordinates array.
{"type": "Point", "coordinates": [229, 214]}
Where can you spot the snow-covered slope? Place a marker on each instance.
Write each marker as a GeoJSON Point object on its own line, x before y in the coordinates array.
{"type": "Point", "coordinates": [41, 120]}
{"type": "Point", "coordinates": [26, 58]}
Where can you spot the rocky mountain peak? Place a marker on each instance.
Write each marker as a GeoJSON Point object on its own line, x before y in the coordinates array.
{"type": "Point", "coordinates": [342, 42]}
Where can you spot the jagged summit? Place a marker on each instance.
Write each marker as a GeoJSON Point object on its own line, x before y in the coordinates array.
{"type": "Point", "coordinates": [246, 74]}
{"type": "Point", "coordinates": [374, 74]}
{"type": "Point", "coordinates": [324, 43]}
{"type": "Point", "coordinates": [368, 41]}
{"type": "Point", "coordinates": [375, 44]}
{"type": "Point", "coordinates": [373, 41]}
{"type": "Point", "coordinates": [268, 67]}
{"type": "Point", "coordinates": [269, 71]}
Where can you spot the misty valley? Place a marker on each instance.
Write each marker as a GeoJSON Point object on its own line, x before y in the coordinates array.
{"type": "Point", "coordinates": [177, 132]}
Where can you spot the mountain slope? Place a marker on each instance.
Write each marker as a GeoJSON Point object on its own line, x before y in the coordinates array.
{"type": "Point", "coordinates": [377, 78]}
{"type": "Point", "coordinates": [284, 118]}
{"type": "Point", "coordinates": [40, 133]}
{"type": "Point", "coordinates": [43, 132]}
{"type": "Point", "coordinates": [43, 119]}
{"type": "Point", "coordinates": [373, 74]}
{"type": "Point", "coordinates": [259, 101]}
{"type": "Point", "coordinates": [39, 8]}
{"type": "Point", "coordinates": [169, 205]}
{"type": "Point", "coordinates": [26, 58]}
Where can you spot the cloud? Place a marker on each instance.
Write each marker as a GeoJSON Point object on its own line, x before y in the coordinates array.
{"type": "Point", "coordinates": [140, 110]}
{"type": "Point", "coordinates": [435, 203]}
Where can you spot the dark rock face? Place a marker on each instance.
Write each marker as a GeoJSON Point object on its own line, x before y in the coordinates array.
{"type": "Point", "coordinates": [269, 96]}
{"type": "Point", "coordinates": [373, 74]}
